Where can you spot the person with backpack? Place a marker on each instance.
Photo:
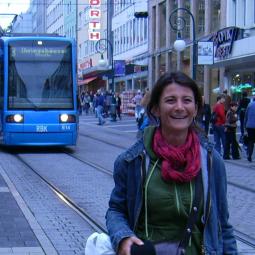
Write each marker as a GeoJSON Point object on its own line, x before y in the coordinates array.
{"type": "Point", "coordinates": [219, 126]}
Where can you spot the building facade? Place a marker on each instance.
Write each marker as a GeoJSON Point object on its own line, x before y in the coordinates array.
{"type": "Point", "coordinates": [23, 23]}
{"type": "Point", "coordinates": [239, 36]}
{"type": "Point", "coordinates": [55, 17]}
{"type": "Point", "coordinates": [91, 76]}
{"type": "Point", "coordinates": [130, 43]}
{"type": "Point", "coordinates": [38, 10]}
{"type": "Point", "coordinates": [70, 12]}
{"type": "Point", "coordinates": [209, 17]}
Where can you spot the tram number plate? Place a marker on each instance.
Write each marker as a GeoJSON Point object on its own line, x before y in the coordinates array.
{"type": "Point", "coordinates": [66, 127]}
{"type": "Point", "coordinates": [41, 128]}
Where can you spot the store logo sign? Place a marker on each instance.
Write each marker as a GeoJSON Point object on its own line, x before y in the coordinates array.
{"type": "Point", "coordinates": [94, 20]}
{"type": "Point", "coordinates": [223, 41]}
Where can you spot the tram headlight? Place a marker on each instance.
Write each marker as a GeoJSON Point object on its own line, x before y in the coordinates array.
{"type": "Point", "coordinates": [67, 118]}
{"type": "Point", "coordinates": [15, 118]}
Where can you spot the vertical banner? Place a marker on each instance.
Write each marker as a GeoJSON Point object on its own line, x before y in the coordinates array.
{"type": "Point", "coordinates": [119, 67]}
{"type": "Point", "coordinates": [94, 20]}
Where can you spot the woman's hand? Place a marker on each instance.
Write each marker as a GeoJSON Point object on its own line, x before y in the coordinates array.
{"type": "Point", "coordinates": [126, 243]}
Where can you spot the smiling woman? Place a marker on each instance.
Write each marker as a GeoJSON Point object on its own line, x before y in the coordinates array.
{"type": "Point", "coordinates": [154, 202]}
{"type": "Point", "coordinates": [10, 8]}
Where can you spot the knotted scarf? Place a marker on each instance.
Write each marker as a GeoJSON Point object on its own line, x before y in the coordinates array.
{"type": "Point", "coordinates": [180, 164]}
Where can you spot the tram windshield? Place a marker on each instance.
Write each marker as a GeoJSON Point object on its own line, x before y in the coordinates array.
{"type": "Point", "coordinates": [40, 75]}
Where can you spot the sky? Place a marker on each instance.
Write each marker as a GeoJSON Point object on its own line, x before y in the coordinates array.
{"type": "Point", "coordinates": [11, 6]}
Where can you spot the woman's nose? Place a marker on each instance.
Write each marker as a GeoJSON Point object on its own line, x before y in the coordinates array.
{"type": "Point", "coordinates": [179, 104]}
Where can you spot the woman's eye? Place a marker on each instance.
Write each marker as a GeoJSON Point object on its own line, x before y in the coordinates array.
{"type": "Point", "coordinates": [188, 100]}
{"type": "Point", "coordinates": [170, 100]}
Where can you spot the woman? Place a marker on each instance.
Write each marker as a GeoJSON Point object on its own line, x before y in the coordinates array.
{"type": "Point", "coordinates": [230, 133]}
{"type": "Point", "coordinates": [155, 179]}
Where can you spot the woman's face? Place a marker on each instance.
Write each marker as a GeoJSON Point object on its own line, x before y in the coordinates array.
{"type": "Point", "coordinates": [176, 108]}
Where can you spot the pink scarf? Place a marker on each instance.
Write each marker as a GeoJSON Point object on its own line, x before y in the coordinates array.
{"type": "Point", "coordinates": [180, 164]}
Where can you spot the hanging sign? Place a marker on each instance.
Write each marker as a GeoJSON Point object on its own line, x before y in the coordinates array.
{"type": "Point", "coordinates": [223, 41]}
{"type": "Point", "coordinates": [205, 53]}
{"type": "Point", "coordinates": [94, 20]}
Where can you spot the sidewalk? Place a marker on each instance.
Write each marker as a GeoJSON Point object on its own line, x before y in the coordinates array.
{"type": "Point", "coordinates": [20, 234]}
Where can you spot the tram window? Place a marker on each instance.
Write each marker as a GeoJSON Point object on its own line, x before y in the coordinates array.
{"type": "Point", "coordinates": [39, 81]}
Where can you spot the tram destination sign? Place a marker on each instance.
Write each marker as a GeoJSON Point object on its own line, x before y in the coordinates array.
{"type": "Point", "coordinates": [32, 53]}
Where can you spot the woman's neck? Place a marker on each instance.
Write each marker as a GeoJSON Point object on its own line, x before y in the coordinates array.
{"type": "Point", "coordinates": [175, 138]}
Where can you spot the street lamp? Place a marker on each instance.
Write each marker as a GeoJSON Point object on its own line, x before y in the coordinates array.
{"type": "Point", "coordinates": [179, 25]}
{"type": "Point", "coordinates": [102, 46]}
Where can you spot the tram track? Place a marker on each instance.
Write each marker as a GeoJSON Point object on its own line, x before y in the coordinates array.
{"type": "Point", "coordinates": [66, 199]}
{"type": "Point", "coordinates": [87, 162]}
{"type": "Point", "coordinates": [236, 185]}
{"type": "Point", "coordinates": [244, 238]}
{"type": "Point", "coordinates": [240, 236]}
{"type": "Point", "coordinates": [104, 141]}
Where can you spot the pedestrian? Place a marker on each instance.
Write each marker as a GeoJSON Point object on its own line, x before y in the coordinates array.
{"type": "Point", "coordinates": [86, 103]}
{"type": "Point", "coordinates": [230, 133]}
{"type": "Point", "coordinates": [243, 104]}
{"type": "Point", "coordinates": [249, 122]}
{"type": "Point", "coordinates": [113, 107]}
{"type": "Point", "coordinates": [118, 105]}
{"type": "Point", "coordinates": [204, 116]}
{"type": "Point", "coordinates": [146, 98]}
{"type": "Point", "coordinates": [138, 108]}
{"type": "Point", "coordinates": [157, 181]}
{"type": "Point", "coordinates": [82, 99]}
{"type": "Point", "coordinates": [79, 108]}
{"type": "Point", "coordinates": [219, 125]}
{"type": "Point", "coordinates": [100, 101]}
{"type": "Point", "coordinates": [228, 100]}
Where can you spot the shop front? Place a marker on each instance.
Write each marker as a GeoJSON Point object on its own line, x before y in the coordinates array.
{"type": "Point", "coordinates": [235, 51]}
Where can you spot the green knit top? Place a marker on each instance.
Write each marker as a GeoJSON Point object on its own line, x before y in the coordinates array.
{"type": "Point", "coordinates": [166, 207]}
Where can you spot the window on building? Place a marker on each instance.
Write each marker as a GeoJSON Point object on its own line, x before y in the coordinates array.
{"type": "Point", "coordinates": [134, 31]}
{"type": "Point", "coordinates": [201, 18]}
{"type": "Point", "coordinates": [162, 23]}
{"type": "Point", "coordinates": [145, 29]}
{"type": "Point", "coordinates": [86, 15]}
{"type": "Point", "coordinates": [253, 12]}
{"type": "Point", "coordinates": [118, 40]}
{"type": "Point", "coordinates": [216, 5]}
{"type": "Point", "coordinates": [131, 33]}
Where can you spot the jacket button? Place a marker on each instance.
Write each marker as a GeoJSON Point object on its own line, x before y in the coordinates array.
{"type": "Point", "coordinates": [188, 230]}
{"type": "Point", "coordinates": [195, 208]}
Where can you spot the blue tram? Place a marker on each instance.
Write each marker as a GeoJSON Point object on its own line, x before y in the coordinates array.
{"type": "Point", "coordinates": [38, 104]}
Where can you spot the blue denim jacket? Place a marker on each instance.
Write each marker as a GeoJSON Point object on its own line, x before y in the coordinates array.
{"type": "Point", "coordinates": [126, 200]}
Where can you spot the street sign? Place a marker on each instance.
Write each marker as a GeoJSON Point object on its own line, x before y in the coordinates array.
{"type": "Point", "coordinates": [205, 53]}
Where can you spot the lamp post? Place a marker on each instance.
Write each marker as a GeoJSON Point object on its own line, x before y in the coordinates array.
{"type": "Point", "coordinates": [102, 46]}
{"type": "Point", "coordinates": [180, 44]}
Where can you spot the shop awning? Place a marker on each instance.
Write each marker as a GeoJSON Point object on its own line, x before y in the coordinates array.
{"type": "Point", "coordinates": [86, 81]}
